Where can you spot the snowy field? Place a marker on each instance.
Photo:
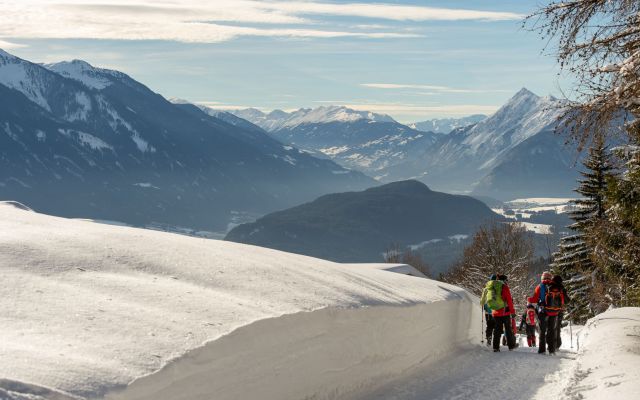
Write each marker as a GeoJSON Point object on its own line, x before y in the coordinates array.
{"type": "Point", "coordinates": [92, 310]}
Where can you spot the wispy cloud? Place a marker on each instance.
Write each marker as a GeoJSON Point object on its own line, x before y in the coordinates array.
{"type": "Point", "coordinates": [436, 88]}
{"type": "Point", "coordinates": [392, 12]}
{"type": "Point", "coordinates": [10, 45]}
{"type": "Point", "coordinates": [207, 22]}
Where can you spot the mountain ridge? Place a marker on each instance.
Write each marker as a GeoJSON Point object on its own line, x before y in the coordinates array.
{"type": "Point", "coordinates": [122, 152]}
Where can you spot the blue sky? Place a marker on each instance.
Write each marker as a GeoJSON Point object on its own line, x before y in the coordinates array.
{"type": "Point", "coordinates": [411, 59]}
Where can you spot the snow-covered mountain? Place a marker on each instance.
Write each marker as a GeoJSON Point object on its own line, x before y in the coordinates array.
{"type": "Point", "coordinates": [358, 140]}
{"type": "Point", "coordinates": [446, 125]}
{"type": "Point", "coordinates": [278, 119]}
{"type": "Point", "coordinates": [76, 140]}
{"type": "Point", "coordinates": [512, 153]}
{"type": "Point", "coordinates": [515, 152]}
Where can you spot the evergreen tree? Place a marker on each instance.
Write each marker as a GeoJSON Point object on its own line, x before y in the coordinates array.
{"type": "Point", "coordinates": [574, 258]}
{"type": "Point", "coordinates": [618, 238]}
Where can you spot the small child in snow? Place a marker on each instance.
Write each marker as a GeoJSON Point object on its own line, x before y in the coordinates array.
{"type": "Point", "coordinates": [528, 322]}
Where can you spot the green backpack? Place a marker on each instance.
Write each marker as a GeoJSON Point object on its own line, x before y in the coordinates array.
{"type": "Point", "coordinates": [494, 295]}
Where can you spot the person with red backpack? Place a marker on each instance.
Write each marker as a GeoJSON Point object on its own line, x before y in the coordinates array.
{"type": "Point", "coordinates": [557, 279]}
{"type": "Point", "coordinates": [528, 324]}
{"type": "Point", "coordinates": [550, 300]}
{"type": "Point", "coordinates": [497, 296]}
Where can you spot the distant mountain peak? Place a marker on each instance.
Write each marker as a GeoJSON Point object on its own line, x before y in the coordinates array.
{"type": "Point", "coordinates": [276, 114]}
{"type": "Point", "coordinates": [82, 71]}
{"type": "Point", "coordinates": [524, 92]}
{"type": "Point", "coordinates": [278, 119]}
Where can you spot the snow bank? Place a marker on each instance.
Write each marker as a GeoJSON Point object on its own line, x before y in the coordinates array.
{"type": "Point", "coordinates": [93, 310]}
{"type": "Point", "coordinates": [405, 269]}
{"type": "Point", "coordinates": [608, 362]}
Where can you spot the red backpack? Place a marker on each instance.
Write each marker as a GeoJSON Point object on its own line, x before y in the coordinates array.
{"type": "Point", "coordinates": [553, 299]}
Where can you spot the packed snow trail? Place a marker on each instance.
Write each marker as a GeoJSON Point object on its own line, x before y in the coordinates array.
{"type": "Point", "coordinates": [602, 362]}
{"type": "Point", "coordinates": [479, 373]}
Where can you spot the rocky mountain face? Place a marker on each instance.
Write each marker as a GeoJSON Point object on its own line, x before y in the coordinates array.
{"type": "Point", "coordinates": [81, 141]}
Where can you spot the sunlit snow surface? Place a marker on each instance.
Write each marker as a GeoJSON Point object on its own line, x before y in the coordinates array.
{"type": "Point", "coordinates": [89, 307]}
{"type": "Point", "coordinates": [599, 361]}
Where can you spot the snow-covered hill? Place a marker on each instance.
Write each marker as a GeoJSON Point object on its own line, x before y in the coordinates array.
{"type": "Point", "coordinates": [92, 310]}
{"type": "Point", "coordinates": [99, 311]}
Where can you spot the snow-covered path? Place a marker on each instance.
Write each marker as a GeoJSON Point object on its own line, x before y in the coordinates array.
{"type": "Point", "coordinates": [478, 373]}
{"type": "Point", "coordinates": [604, 366]}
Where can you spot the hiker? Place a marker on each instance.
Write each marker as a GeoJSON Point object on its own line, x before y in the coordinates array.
{"type": "Point", "coordinates": [488, 318]}
{"type": "Point", "coordinates": [528, 324]}
{"type": "Point", "coordinates": [504, 279]}
{"type": "Point", "coordinates": [557, 279]}
{"type": "Point", "coordinates": [497, 296]}
{"type": "Point", "coordinates": [550, 300]}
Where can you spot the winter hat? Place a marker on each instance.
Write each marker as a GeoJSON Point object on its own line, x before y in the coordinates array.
{"type": "Point", "coordinates": [557, 279]}
{"type": "Point", "coordinates": [503, 278]}
{"type": "Point", "coordinates": [493, 277]}
{"type": "Point", "coordinates": [530, 305]}
{"type": "Point", "coordinates": [546, 276]}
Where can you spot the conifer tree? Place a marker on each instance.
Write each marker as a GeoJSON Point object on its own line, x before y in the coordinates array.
{"type": "Point", "coordinates": [617, 241]}
{"type": "Point", "coordinates": [574, 258]}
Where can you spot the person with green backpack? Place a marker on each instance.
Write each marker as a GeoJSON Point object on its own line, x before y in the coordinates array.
{"type": "Point", "coordinates": [488, 318]}
{"type": "Point", "coordinates": [497, 296]}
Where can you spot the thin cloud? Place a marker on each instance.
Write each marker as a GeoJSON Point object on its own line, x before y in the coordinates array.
{"type": "Point", "coordinates": [393, 12]}
{"type": "Point", "coordinates": [207, 22]}
{"type": "Point", "coordinates": [10, 45]}
{"type": "Point", "coordinates": [441, 89]}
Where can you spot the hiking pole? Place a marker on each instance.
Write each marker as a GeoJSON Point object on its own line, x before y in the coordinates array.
{"type": "Point", "coordinates": [482, 325]}
{"type": "Point", "coordinates": [571, 333]}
